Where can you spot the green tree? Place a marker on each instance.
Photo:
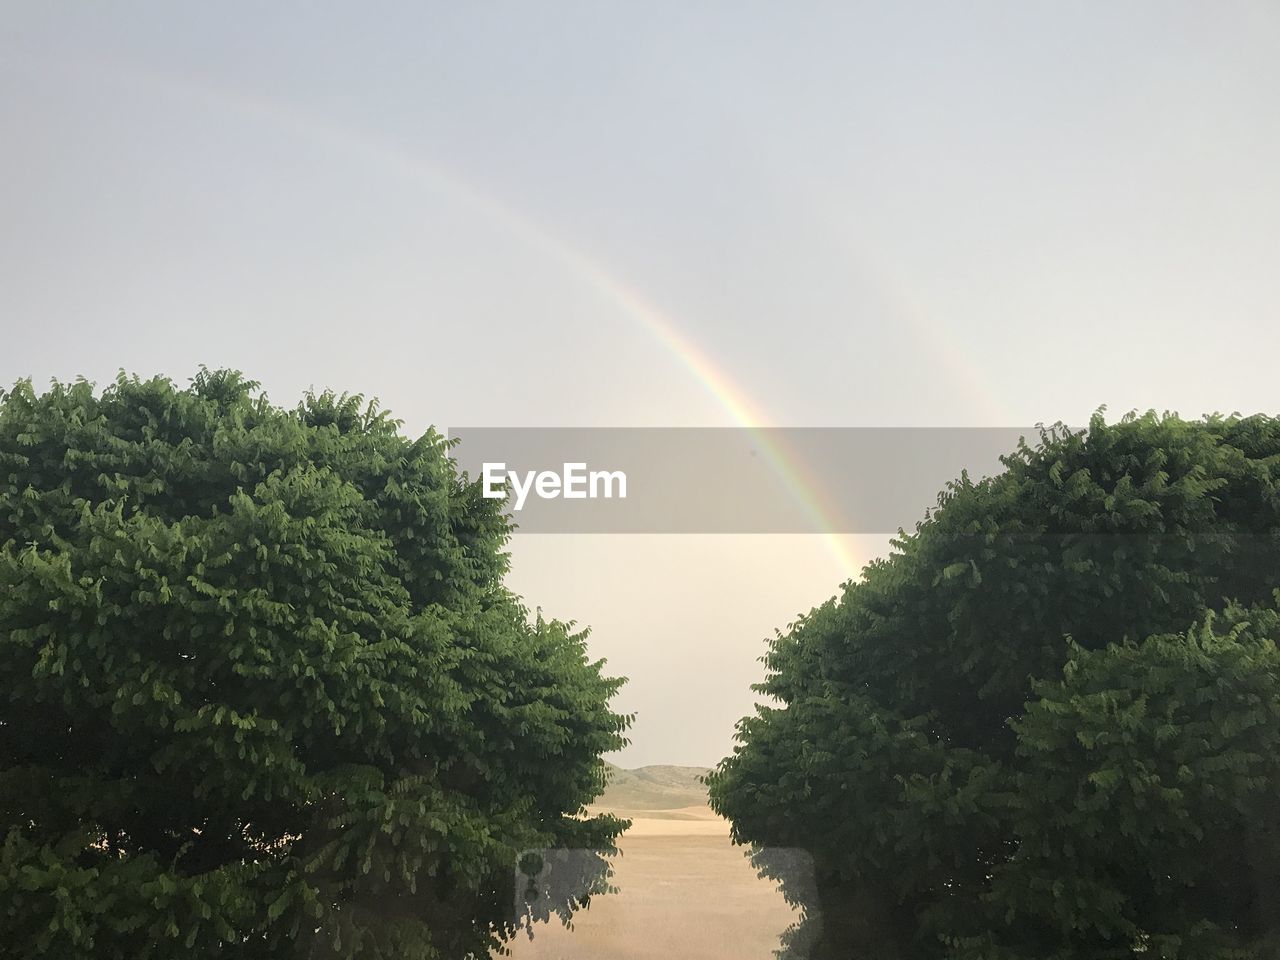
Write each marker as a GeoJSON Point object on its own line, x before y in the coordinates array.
{"type": "Point", "coordinates": [1009, 740]}
{"type": "Point", "coordinates": [263, 693]}
{"type": "Point", "coordinates": [1149, 799]}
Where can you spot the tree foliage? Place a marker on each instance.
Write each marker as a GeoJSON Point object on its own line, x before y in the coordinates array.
{"type": "Point", "coordinates": [262, 691]}
{"type": "Point", "coordinates": [1047, 724]}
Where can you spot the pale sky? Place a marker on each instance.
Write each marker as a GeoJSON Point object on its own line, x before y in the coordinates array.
{"type": "Point", "coordinates": [891, 214]}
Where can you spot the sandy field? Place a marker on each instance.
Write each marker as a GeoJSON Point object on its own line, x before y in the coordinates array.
{"type": "Point", "coordinates": [686, 893]}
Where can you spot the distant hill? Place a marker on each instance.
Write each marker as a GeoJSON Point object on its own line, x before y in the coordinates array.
{"type": "Point", "coordinates": [658, 787]}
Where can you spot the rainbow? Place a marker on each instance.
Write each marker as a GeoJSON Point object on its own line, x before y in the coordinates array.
{"type": "Point", "coordinates": [716, 381]}
{"type": "Point", "coordinates": [741, 411]}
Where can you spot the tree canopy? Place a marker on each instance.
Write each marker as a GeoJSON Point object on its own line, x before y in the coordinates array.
{"type": "Point", "coordinates": [263, 692]}
{"type": "Point", "coordinates": [1046, 726]}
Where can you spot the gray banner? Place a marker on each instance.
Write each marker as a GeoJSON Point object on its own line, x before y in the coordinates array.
{"type": "Point", "coordinates": [725, 480]}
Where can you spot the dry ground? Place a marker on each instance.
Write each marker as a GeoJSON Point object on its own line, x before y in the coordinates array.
{"type": "Point", "coordinates": [685, 893]}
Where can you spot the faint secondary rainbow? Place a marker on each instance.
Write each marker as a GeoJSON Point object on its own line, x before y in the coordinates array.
{"type": "Point", "coordinates": [713, 378]}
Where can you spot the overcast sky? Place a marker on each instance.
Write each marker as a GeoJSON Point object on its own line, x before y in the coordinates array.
{"type": "Point", "coordinates": [512, 214]}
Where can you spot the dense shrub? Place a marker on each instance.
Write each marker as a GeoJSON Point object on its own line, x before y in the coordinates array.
{"type": "Point", "coordinates": [262, 691]}
{"type": "Point", "coordinates": [1025, 734]}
